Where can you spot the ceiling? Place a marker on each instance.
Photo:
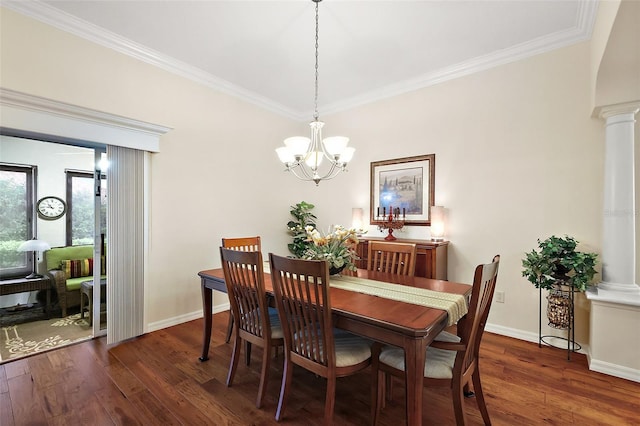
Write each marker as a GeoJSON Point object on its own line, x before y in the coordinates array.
{"type": "Point", "coordinates": [263, 51]}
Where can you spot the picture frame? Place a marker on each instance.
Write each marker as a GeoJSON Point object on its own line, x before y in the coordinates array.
{"type": "Point", "coordinates": [406, 183]}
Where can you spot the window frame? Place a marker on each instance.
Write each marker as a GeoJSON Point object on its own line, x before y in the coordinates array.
{"type": "Point", "coordinates": [69, 175]}
{"type": "Point", "coordinates": [31, 173]}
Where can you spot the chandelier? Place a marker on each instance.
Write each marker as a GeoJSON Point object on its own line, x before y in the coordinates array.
{"type": "Point", "coordinates": [303, 156]}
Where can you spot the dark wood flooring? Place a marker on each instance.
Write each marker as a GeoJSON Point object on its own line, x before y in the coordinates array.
{"type": "Point", "coordinates": [157, 379]}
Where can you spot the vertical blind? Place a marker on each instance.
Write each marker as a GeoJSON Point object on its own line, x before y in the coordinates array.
{"type": "Point", "coordinates": [125, 243]}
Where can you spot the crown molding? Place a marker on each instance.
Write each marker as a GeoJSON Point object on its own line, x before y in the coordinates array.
{"type": "Point", "coordinates": [580, 32]}
{"type": "Point", "coordinates": [69, 23]}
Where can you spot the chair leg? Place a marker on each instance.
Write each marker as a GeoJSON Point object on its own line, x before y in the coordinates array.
{"type": "Point", "coordinates": [235, 356]}
{"type": "Point", "coordinates": [457, 394]}
{"type": "Point", "coordinates": [264, 374]}
{"type": "Point", "coordinates": [477, 386]}
{"type": "Point", "coordinates": [247, 352]}
{"type": "Point", "coordinates": [229, 328]}
{"type": "Point", "coordinates": [330, 400]}
{"type": "Point", "coordinates": [287, 374]}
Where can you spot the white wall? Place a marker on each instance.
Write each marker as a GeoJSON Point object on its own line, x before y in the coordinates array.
{"type": "Point", "coordinates": [517, 158]}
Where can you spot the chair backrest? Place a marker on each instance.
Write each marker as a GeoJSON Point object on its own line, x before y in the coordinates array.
{"type": "Point", "coordinates": [244, 278]}
{"type": "Point", "coordinates": [302, 298]}
{"type": "Point", "coordinates": [242, 243]}
{"type": "Point", "coordinates": [471, 327]}
{"type": "Point", "coordinates": [393, 258]}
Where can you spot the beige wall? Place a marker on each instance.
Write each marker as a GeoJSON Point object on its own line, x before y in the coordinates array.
{"type": "Point", "coordinates": [518, 157]}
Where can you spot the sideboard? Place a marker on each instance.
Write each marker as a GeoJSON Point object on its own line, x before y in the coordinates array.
{"type": "Point", "coordinates": [431, 260]}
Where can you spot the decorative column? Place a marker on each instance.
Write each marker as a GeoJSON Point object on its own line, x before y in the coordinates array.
{"type": "Point", "coordinates": [619, 254]}
{"type": "Point", "coordinates": [614, 343]}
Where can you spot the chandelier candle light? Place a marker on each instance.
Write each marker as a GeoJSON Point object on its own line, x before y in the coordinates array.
{"type": "Point", "coordinates": [390, 221]}
{"type": "Point", "coordinates": [302, 156]}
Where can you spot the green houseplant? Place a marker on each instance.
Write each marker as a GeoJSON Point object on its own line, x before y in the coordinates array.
{"type": "Point", "coordinates": [559, 264]}
{"type": "Point", "coordinates": [556, 267]}
{"type": "Point", "coordinates": [297, 228]}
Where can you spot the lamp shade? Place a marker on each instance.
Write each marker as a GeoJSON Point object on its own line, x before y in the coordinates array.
{"type": "Point", "coordinates": [34, 245]}
{"type": "Point", "coordinates": [334, 145]}
{"type": "Point", "coordinates": [356, 218]}
{"type": "Point", "coordinates": [437, 223]}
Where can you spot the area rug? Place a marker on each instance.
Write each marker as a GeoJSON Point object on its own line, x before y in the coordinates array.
{"type": "Point", "coordinates": [19, 340]}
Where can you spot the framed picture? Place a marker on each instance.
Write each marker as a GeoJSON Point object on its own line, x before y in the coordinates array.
{"type": "Point", "coordinates": [406, 184]}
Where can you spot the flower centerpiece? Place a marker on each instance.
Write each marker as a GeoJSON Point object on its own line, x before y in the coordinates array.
{"type": "Point", "coordinates": [337, 247]}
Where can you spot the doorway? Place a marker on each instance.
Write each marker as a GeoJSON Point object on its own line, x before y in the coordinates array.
{"type": "Point", "coordinates": [66, 172]}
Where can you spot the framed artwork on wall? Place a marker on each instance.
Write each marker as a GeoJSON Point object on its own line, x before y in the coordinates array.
{"type": "Point", "coordinates": [406, 184]}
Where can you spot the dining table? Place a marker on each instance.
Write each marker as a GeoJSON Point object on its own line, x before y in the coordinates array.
{"type": "Point", "coordinates": [401, 323]}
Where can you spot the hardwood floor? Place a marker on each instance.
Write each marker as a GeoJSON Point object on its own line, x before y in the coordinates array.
{"type": "Point", "coordinates": [157, 380]}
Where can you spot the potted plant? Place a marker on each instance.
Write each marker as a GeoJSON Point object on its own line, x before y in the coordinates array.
{"type": "Point", "coordinates": [304, 218]}
{"type": "Point", "coordinates": [556, 267]}
{"type": "Point", "coordinates": [337, 247]}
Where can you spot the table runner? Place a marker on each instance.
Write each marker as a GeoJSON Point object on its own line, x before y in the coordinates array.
{"type": "Point", "coordinates": [454, 304]}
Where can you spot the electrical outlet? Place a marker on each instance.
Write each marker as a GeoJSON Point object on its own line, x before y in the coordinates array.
{"type": "Point", "coordinates": [500, 296]}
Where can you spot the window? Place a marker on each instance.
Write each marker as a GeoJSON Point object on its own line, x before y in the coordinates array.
{"type": "Point", "coordinates": [80, 205]}
{"type": "Point", "coordinates": [16, 218]}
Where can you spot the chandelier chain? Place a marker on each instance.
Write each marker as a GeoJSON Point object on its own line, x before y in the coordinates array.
{"type": "Point", "coordinates": [315, 113]}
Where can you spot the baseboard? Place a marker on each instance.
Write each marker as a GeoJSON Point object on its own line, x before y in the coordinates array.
{"type": "Point", "coordinates": [614, 370]}
{"type": "Point", "coordinates": [526, 336]}
{"type": "Point", "coordinates": [169, 322]}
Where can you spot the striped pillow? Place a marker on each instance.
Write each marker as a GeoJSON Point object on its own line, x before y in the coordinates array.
{"type": "Point", "coordinates": [77, 268]}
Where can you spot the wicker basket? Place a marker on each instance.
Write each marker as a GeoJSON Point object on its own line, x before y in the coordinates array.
{"type": "Point", "coordinates": [559, 309]}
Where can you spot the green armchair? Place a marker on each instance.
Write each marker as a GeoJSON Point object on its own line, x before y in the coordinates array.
{"type": "Point", "coordinates": [69, 267]}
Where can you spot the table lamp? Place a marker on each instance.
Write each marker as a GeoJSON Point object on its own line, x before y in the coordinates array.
{"type": "Point", "coordinates": [356, 219]}
{"type": "Point", "coordinates": [437, 223]}
{"type": "Point", "coordinates": [34, 246]}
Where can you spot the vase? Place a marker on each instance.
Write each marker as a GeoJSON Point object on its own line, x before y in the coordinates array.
{"type": "Point", "coordinates": [335, 271]}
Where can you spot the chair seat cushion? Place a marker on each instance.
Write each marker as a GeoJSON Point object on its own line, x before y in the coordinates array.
{"type": "Point", "coordinates": [276, 326]}
{"type": "Point", "coordinates": [350, 349]}
{"type": "Point", "coordinates": [438, 363]}
{"type": "Point", "coordinates": [274, 321]}
{"type": "Point", "coordinates": [73, 284]}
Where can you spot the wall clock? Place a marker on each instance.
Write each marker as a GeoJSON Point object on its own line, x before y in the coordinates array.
{"type": "Point", "coordinates": [51, 208]}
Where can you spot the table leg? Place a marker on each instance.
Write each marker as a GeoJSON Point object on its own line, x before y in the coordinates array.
{"type": "Point", "coordinates": [206, 311]}
{"type": "Point", "coordinates": [414, 350]}
{"type": "Point", "coordinates": [82, 303]}
{"type": "Point", "coordinates": [48, 305]}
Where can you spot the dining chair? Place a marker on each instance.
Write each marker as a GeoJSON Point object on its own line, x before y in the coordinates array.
{"type": "Point", "coordinates": [303, 301]}
{"type": "Point", "coordinates": [254, 322]}
{"type": "Point", "coordinates": [242, 244]}
{"type": "Point", "coordinates": [393, 258]}
{"type": "Point", "coordinates": [450, 360]}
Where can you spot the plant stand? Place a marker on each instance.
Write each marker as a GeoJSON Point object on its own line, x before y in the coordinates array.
{"type": "Point", "coordinates": [560, 313]}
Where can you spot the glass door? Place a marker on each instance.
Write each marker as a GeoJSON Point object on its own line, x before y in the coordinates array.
{"type": "Point", "coordinates": [99, 302]}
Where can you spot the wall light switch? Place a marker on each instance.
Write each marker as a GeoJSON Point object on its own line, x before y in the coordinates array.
{"type": "Point", "coordinates": [499, 296]}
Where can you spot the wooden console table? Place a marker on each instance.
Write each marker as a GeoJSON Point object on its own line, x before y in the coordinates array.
{"type": "Point", "coordinates": [431, 261]}
{"type": "Point", "coordinates": [21, 285]}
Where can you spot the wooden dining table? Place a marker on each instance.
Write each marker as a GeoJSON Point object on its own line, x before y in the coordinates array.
{"type": "Point", "coordinates": [409, 326]}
